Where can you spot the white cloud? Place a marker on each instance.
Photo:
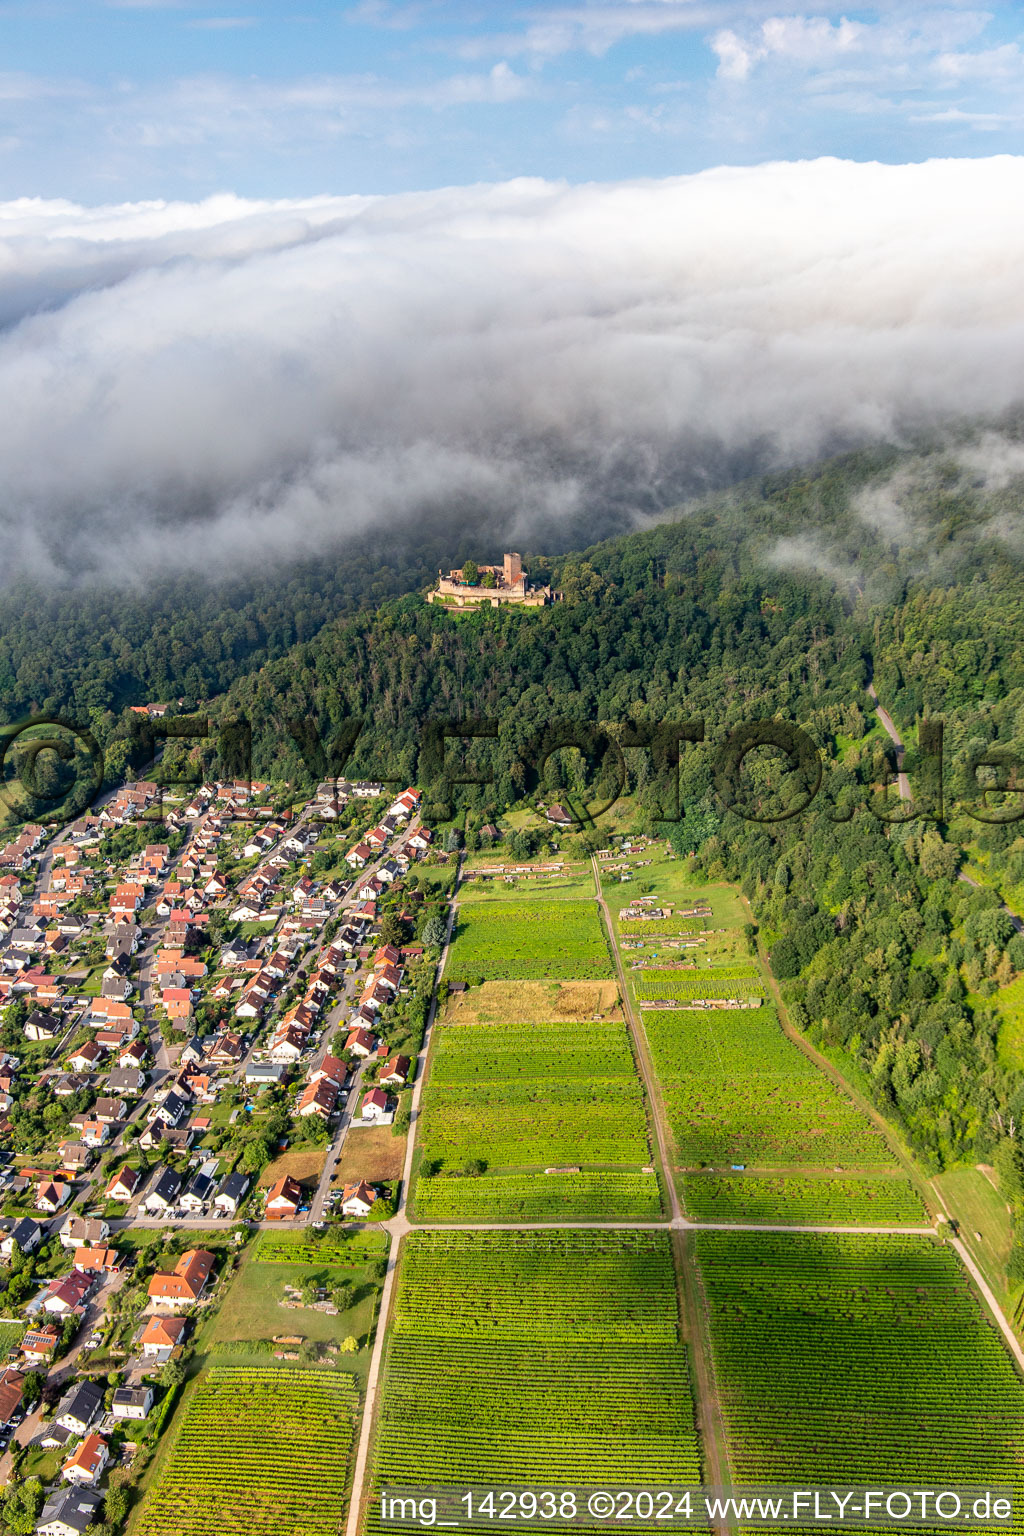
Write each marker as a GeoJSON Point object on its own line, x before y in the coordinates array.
{"type": "Point", "coordinates": [549, 33]}
{"type": "Point", "coordinates": [223, 23]}
{"type": "Point", "coordinates": [202, 386]}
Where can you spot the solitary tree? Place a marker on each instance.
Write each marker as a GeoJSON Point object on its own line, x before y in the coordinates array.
{"type": "Point", "coordinates": [434, 931]}
{"type": "Point", "coordinates": [470, 573]}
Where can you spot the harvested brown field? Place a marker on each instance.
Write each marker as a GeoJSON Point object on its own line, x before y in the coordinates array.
{"type": "Point", "coordinates": [534, 1002]}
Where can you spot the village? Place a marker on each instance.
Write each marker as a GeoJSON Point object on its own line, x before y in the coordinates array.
{"type": "Point", "coordinates": [190, 999]}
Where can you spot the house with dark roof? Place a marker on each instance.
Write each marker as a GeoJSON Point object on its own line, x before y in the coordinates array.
{"type": "Point", "coordinates": [69, 1512]}
{"type": "Point", "coordinates": [78, 1407]}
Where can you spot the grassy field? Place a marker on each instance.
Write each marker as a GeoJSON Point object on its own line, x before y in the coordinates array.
{"type": "Point", "coordinates": [984, 1221]}
{"type": "Point", "coordinates": [251, 1309]}
{"type": "Point", "coordinates": [592, 1196]}
{"type": "Point", "coordinates": [529, 940]}
{"type": "Point", "coordinates": [1009, 1004]}
{"type": "Point", "coordinates": [304, 1163]}
{"type": "Point", "coordinates": [11, 1331]}
{"type": "Point", "coordinates": [844, 1360]}
{"type": "Point", "coordinates": [527, 1359]}
{"type": "Point", "coordinates": [257, 1450]}
{"type": "Point", "coordinates": [574, 882]}
{"type": "Point", "coordinates": [373, 1153]}
{"type": "Point", "coordinates": [737, 1091]}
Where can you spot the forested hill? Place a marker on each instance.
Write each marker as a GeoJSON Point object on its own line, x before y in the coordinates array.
{"type": "Point", "coordinates": [784, 601]}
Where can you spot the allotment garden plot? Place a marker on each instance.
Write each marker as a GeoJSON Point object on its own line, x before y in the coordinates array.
{"type": "Point", "coordinates": [519, 1101]}
{"type": "Point", "coordinates": [529, 939]}
{"type": "Point", "coordinates": [261, 1451]}
{"type": "Point", "coordinates": [532, 1360]}
{"type": "Point", "coordinates": [843, 1359]}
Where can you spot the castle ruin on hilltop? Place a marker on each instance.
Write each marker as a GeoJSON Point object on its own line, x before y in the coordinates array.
{"type": "Point", "coordinates": [494, 584]}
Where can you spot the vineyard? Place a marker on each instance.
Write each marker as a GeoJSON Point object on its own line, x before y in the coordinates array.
{"type": "Point", "coordinates": [529, 940]}
{"type": "Point", "coordinates": [589, 1196]}
{"type": "Point", "coordinates": [535, 1359]}
{"type": "Point", "coordinates": [544, 1095]}
{"type": "Point", "coordinates": [879, 1201]}
{"type": "Point", "coordinates": [737, 1091]}
{"type": "Point", "coordinates": [850, 1360]}
{"type": "Point", "coordinates": [519, 1125]}
{"type": "Point", "coordinates": [486, 1053]}
{"type": "Point", "coordinates": [260, 1451]}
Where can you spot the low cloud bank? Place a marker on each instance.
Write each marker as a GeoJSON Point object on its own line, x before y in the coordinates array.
{"type": "Point", "coordinates": [216, 386]}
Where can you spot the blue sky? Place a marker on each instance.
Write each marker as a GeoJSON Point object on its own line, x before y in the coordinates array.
{"type": "Point", "coordinates": [114, 100]}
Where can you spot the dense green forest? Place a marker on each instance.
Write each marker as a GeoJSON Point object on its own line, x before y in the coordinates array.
{"type": "Point", "coordinates": [782, 599]}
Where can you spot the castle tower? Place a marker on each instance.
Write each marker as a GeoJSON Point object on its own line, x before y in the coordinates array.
{"type": "Point", "coordinates": [513, 570]}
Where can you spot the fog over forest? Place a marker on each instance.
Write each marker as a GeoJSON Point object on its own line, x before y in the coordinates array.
{"type": "Point", "coordinates": [206, 388]}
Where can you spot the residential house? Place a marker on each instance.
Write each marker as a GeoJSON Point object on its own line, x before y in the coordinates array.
{"type": "Point", "coordinates": [375, 1105]}
{"type": "Point", "coordinates": [287, 1045]}
{"type": "Point", "coordinates": [185, 1283]}
{"type": "Point", "coordinates": [50, 1196]}
{"type": "Point", "coordinates": [98, 1261]}
{"type": "Point", "coordinates": [11, 1387]}
{"type": "Point", "coordinates": [283, 1199]}
{"type": "Point", "coordinates": [358, 1199]}
{"type": "Point", "coordinates": [231, 1193]}
{"type": "Point", "coordinates": [395, 1072]}
{"type": "Point", "coordinates": [265, 1074]}
{"type": "Point", "coordinates": [75, 1155]}
{"type": "Point", "coordinates": [164, 1193]}
{"type": "Point", "coordinates": [24, 1237]}
{"type": "Point", "coordinates": [84, 1466]}
{"type": "Point", "coordinates": [172, 1111]}
{"type": "Point", "coordinates": [361, 1043]}
{"type": "Point", "coordinates": [124, 1184]}
{"type": "Point", "coordinates": [199, 1193]}
{"type": "Point", "coordinates": [69, 1512]}
{"type": "Point", "coordinates": [39, 1345]}
{"type": "Point", "coordinates": [87, 1057]}
{"type": "Point", "coordinates": [79, 1406]}
{"type": "Point", "coordinates": [329, 1069]}
{"type": "Point", "coordinates": [318, 1099]}
{"type": "Point", "coordinates": [42, 1026]}
{"type": "Point", "coordinates": [109, 1110]}
{"type": "Point", "coordinates": [93, 1133]}
{"type": "Point", "coordinates": [78, 1231]}
{"type": "Point", "coordinates": [193, 1053]}
{"type": "Point", "coordinates": [132, 1402]}
{"type": "Point", "coordinates": [161, 1336]}
{"type": "Point", "coordinates": [67, 1294]}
